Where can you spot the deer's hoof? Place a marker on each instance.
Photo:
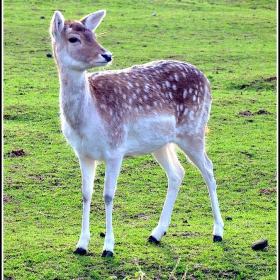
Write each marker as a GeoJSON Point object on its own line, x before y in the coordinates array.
{"type": "Point", "coordinates": [151, 239]}
{"type": "Point", "coordinates": [106, 254]}
{"type": "Point", "coordinates": [217, 238]}
{"type": "Point", "coordinates": [80, 251]}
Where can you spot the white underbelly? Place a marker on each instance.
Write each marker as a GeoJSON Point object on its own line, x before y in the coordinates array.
{"type": "Point", "coordinates": [148, 135]}
{"type": "Point", "coordinates": [141, 137]}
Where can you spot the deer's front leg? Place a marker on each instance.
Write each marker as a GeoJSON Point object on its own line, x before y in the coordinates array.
{"type": "Point", "coordinates": [88, 167]}
{"type": "Point", "coordinates": [111, 177]}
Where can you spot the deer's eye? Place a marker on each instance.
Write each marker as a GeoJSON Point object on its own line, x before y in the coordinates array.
{"type": "Point", "coordinates": [73, 40]}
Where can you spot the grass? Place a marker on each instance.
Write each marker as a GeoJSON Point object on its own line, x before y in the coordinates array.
{"type": "Point", "coordinates": [234, 44]}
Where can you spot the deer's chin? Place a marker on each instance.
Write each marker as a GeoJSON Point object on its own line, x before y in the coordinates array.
{"type": "Point", "coordinates": [99, 64]}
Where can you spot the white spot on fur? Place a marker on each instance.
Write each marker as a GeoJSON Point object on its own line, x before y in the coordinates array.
{"type": "Point", "coordinates": [185, 93]}
{"type": "Point", "coordinates": [191, 115]}
{"type": "Point", "coordinates": [146, 89]}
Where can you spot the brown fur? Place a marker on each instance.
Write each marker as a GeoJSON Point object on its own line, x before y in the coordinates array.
{"type": "Point", "coordinates": [144, 87]}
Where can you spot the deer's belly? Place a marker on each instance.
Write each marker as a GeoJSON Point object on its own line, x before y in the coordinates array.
{"type": "Point", "coordinates": [139, 137]}
{"type": "Point", "coordinates": [147, 135]}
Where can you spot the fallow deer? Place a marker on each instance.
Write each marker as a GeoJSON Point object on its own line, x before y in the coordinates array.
{"type": "Point", "coordinates": [107, 116]}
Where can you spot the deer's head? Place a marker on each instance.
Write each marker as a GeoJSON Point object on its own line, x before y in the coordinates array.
{"type": "Point", "coordinates": [74, 42]}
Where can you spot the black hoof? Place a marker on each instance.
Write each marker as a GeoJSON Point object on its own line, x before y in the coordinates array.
{"type": "Point", "coordinates": [151, 239]}
{"type": "Point", "coordinates": [80, 251]}
{"type": "Point", "coordinates": [107, 254]}
{"type": "Point", "coordinates": [217, 238]}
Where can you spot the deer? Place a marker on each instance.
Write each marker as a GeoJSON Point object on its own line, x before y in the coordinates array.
{"type": "Point", "coordinates": [154, 108]}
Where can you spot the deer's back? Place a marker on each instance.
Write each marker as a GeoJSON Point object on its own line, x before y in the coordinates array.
{"type": "Point", "coordinates": [167, 88]}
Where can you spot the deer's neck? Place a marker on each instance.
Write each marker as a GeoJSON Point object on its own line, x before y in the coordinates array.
{"type": "Point", "coordinates": [74, 97]}
{"type": "Point", "coordinates": [72, 84]}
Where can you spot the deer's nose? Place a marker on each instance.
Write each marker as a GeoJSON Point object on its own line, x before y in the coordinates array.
{"type": "Point", "coordinates": [107, 57]}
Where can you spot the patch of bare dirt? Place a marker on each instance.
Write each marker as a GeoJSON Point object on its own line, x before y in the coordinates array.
{"type": "Point", "coordinates": [259, 84]}
{"type": "Point", "coordinates": [16, 166]}
{"type": "Point", "coordinates": [138, 216]}
{"type": "Point", "coordinates": [267, 191]}
{"type": "Point", "coordinates": [142, 216]}
{"type": "Point", "coordinates": [224, 274]}
{"type": "Point", "coordinates": [7, 198]}
{"type": "Point", "coordinates": [17, 153]}
{"type": "Point", "coordinates": [246, 113]}
{"type": "Point", "coordinates": [271, 79]}
{"type": "Point", "coordinates": [262, 112]}
{"type": "Point", "coordinates": [249, 113]}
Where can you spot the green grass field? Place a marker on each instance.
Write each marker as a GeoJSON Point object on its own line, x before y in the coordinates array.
{"type": "Point", "coordinates": [234, 43]}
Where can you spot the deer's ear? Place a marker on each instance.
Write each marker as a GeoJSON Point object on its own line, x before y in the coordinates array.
{"type": "Point", "coordinates": [93, 20]}
{"type": "Point", "coordinates": [57, 24]}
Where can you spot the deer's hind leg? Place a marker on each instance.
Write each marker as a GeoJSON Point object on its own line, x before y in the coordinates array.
{"type": "Point", "coordinates": [167, 158]}
{"type": "Point", "coordinates": [194, 149]}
